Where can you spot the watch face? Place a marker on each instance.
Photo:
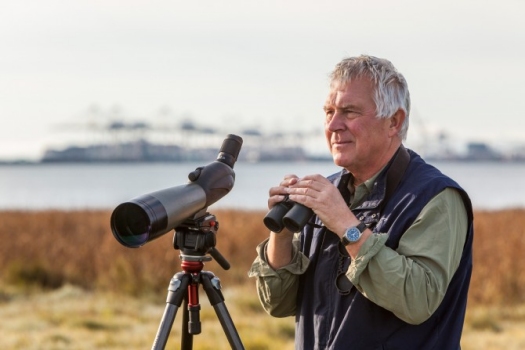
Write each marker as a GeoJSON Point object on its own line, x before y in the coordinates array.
{"type": "Point", "coordinates": [353, 234]}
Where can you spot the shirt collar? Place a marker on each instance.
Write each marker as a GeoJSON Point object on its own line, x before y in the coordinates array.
{"type": "Point", "coordinates": [359, 193]}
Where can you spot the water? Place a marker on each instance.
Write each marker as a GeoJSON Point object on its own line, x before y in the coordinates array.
{"type": "Point", "coordinates": [104, 186]}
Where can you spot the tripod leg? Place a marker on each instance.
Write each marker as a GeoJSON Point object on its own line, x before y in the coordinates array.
{"type": "Point", "coordinates": [186, 342]}
{"type": "Point", "coordinates": [176, 290]}
{"type": "Point", "coordinates": [212, 287]}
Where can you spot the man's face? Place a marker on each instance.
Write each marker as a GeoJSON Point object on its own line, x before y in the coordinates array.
{"type": "Point", "coordinates": [357, 139]}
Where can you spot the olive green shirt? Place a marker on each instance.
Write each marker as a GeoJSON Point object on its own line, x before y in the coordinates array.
{"type": "Point", "coordinates": [410, 281]}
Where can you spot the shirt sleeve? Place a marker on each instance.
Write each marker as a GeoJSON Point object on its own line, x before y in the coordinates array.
{"type": "Point", "coordinates": [412, 280]}
{"type": "Point", "coordinates": [277, 289]}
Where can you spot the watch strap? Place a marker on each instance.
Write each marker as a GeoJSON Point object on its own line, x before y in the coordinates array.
{"type": "Point", "coordinates": [361, 227]}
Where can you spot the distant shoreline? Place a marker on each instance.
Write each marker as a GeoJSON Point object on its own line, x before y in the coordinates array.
{"type": "Point", "coordinates": [22, 162]}
{"type": "Point", "coordinates": [258, 150]}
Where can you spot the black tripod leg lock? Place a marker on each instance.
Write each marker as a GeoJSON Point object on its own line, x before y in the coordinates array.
{"type": "Point", "coordinates": [212, 286]}
{"type": "Point", "coordinates": [177, 288]}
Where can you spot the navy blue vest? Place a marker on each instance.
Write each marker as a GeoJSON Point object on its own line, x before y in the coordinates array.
{"type": "Point", "coordinates": [327, 319]}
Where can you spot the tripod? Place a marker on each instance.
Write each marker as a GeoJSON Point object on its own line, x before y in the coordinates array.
{"type": "Point", "coordinates": [195, 238]}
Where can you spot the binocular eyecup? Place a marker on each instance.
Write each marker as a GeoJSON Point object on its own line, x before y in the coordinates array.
{"type": "Point", "coordinates": [289, 214]}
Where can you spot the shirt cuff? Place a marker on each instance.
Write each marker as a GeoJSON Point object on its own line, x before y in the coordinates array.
{"type": "Point", "coordinates": [261, 268]}
{"type": "Point", "coordinates": [367, 251]}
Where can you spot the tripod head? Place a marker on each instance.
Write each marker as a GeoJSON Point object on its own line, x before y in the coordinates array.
{"type": "Point", "coordinates": [196, 237]}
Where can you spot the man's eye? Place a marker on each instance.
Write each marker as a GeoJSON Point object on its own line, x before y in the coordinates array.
{"type": "Point", "coordinates": [350, 113]}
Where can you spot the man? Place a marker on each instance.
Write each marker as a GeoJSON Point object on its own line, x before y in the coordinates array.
{"type": "Point", "coordinates": [385, 262]}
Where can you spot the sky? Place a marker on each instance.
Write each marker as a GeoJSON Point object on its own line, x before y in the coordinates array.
{"type": "Point", "coordinates": [237, 64]}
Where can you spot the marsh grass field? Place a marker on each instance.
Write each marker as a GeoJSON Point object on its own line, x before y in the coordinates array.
{"type": "Point", "coordinates": [66, 283]}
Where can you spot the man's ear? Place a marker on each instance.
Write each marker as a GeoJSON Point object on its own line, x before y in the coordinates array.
{"type": "Point", "coordinates": [396, 121]}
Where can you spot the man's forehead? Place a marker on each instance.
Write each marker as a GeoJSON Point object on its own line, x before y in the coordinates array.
{"type": "Point", "coordinates": [350, 93]}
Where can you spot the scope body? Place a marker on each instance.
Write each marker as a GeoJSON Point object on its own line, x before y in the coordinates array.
{"type": "Point", "coordinates": [149, 216]}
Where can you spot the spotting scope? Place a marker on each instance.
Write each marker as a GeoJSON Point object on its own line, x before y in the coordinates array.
{"type": "Point", "coordinates": [145, 218]}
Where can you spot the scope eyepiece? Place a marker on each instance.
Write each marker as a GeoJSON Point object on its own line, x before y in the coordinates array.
{"type": "Point", "coordinates": [229, 151]}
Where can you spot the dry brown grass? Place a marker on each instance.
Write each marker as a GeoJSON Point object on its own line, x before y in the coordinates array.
{"type": "Point", "coordinates": [55, 249]}
{"type": "Point", "coordinates": [499, 257]}
{"type": "Point", "coordinates": [50, 248]}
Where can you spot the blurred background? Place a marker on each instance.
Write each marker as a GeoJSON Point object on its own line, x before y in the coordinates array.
{"type": "Point", "coordinates": [114, 83]}
{"type": "Point", "coordinates": [95, 71]}
{"type": "Point", "coordinates": [104, 100]}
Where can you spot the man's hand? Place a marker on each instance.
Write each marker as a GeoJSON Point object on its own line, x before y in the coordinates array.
{"type": "Point", "coordinates": [319, 194]}
{"type": "Point", "coordinates": [278, 193]}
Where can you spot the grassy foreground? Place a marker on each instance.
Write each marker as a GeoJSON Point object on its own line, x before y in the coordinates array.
{"type": "Point", "coordinates": [66, 283]}
{"type": "Point", "coordinates": [73, 318]}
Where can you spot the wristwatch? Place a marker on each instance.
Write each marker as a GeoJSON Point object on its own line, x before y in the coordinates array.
{"type": "Point", "coordinates": [353, 234]}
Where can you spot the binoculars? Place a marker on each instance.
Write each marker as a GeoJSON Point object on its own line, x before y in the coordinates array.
{"type": "Point", "coordinates": [289, 214]}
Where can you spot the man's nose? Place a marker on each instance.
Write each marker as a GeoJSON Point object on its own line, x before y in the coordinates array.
{"type": "Point", "coordinates": [335, 123]}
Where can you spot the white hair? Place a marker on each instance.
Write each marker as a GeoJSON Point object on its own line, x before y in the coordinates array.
{"type": "Point", "coordinates": [391, 89]}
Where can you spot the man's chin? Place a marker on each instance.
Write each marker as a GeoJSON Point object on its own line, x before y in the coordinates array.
{"type": "Point", "coordinates": [340, 161]}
